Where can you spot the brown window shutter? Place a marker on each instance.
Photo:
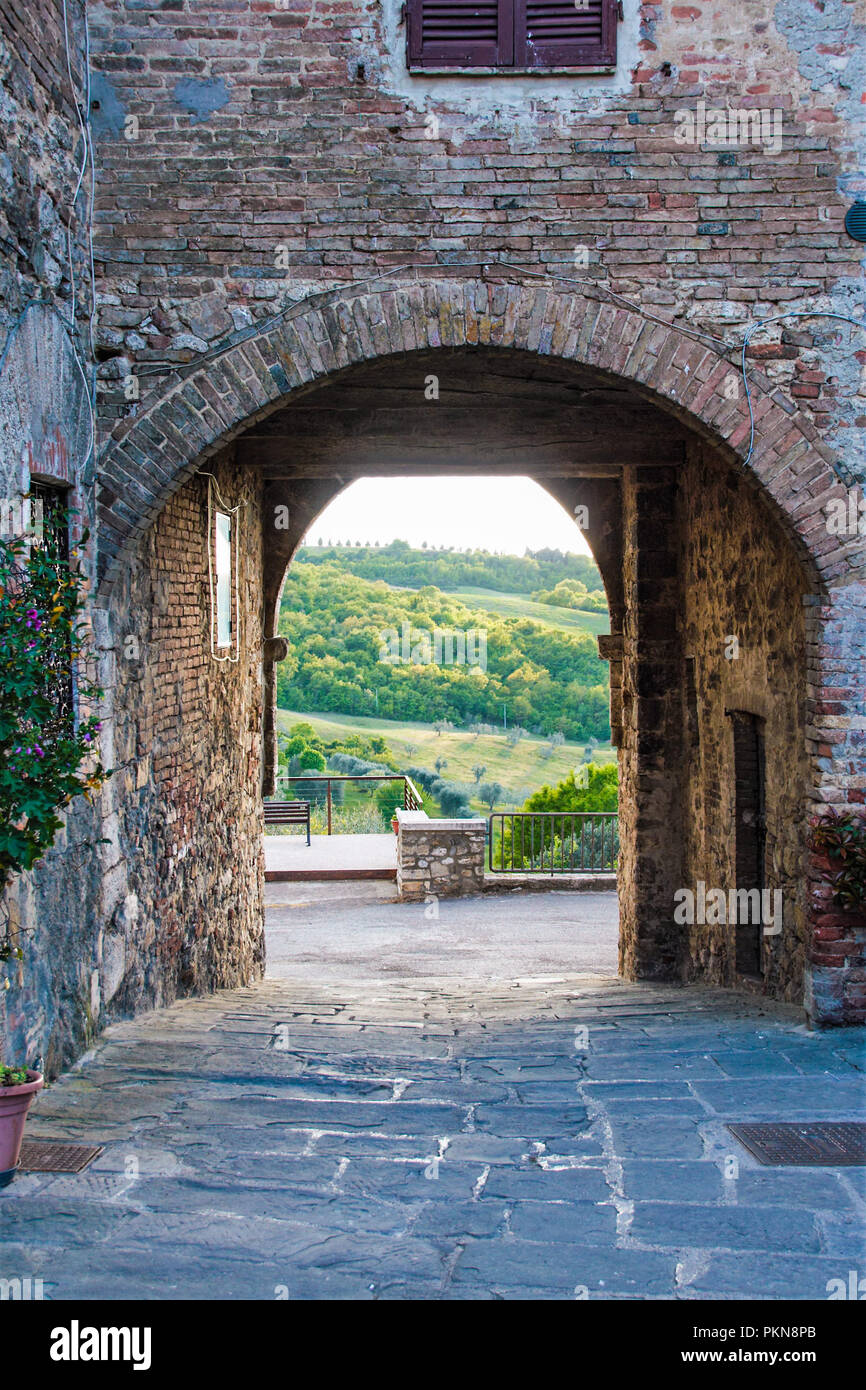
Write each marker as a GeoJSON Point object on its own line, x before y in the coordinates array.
{"type": "Point", "coordinates": [460, 33]}
{"type": "Point", "coordinates": [561, 34]}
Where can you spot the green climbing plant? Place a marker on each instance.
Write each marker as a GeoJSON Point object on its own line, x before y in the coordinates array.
{"type": "Point", "coordinates": [841, 837]}
{"type": "Point", "coordinates": [47, 754]}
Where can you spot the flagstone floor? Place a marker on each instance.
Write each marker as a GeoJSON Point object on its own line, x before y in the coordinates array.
{"type": "Point", "coordinates": [484, 1135]}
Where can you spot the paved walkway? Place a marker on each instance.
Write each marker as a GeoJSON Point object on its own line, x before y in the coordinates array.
{"type": "Point", "coordinates": [480, 1137]}
{"type": "Point", "coordinates": [360, 934]}
{"type": "Point", "coordinates": [329, 852]}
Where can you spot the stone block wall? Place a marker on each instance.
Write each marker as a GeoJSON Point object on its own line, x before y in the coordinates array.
{"type": "Point", "coordinates": [46, 432]}
{"type": "Point", "coordinates": [40, 154]}
{"type": "Point", "coordinates": [155, 891]}
{"type": "Point", "coordinates": [744, 630]}
{"type": "Point", "coordinates": [439, 858]}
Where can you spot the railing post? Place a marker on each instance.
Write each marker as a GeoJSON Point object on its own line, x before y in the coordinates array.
{"type": "Point", "coordinates": [329, 805]}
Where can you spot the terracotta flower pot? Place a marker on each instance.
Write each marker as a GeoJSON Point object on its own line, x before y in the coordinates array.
{"type": "Point", "coordinates": [395, 824]}
{"type": "Point", "coordinates": [14, 1104]}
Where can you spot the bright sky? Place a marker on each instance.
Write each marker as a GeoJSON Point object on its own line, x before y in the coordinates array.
{"type": "Point", "coordinates": [506, 514]}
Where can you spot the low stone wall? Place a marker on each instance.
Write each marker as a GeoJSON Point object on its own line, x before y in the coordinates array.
{"type": "Point", "coordinates": [441, 858]}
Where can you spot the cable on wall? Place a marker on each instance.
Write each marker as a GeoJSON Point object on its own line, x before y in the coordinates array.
{"type": "Point", "coordinates": [607, 296]}
{"type": "Point", "coordinates": [69, 324]}
{"type": "Point", "coordinates": [762, 323]}
{"type": "Point", "coordinates": [235, 339]}
{"type": "Point", "coordinates": [82, 111]}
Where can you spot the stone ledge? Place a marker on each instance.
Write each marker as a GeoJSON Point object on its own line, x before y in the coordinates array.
{"type": "Point", "coordinates": [419, 820]}
{"type": "Point", "coordinates": [546, 883]}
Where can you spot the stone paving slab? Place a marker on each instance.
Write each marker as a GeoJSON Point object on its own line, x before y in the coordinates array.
{"type": "Point", "coordinates": [529, 1138]}
{"type": "Point", "coordinates": [290, 852]}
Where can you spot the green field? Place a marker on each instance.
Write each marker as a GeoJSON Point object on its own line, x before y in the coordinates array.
{"type": "Point", "coordinates": [521, 769]}
{"type": "Point", "coordinates": [518, 606]}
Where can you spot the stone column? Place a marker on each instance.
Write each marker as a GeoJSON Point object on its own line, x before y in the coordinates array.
{"type": "Point", "coordinates": [596, 502]}
{"type": "Point", "coordinates": [276, 649]}
{"type": "Point", "coordinates": [836, 740]}
{"type": "Point", "coordinates": [650, 759]}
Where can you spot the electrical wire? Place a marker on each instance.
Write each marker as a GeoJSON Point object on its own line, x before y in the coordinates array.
{"type": "Point", "coordinates": [762, 323]}
{"type": "Point", "coordinates": [234, 340]}
{"type": "Point", "coordinates": [85, 150]}
{"type": "Point", "coordinates": [70, 324]}
{"type": "Point", "coordinates": [72, 331]}
{"type": "Point", "coordinates": [727, 349]}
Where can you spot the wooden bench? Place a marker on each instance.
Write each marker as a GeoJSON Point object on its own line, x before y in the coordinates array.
{"type": "Point", "coordinates": [288, 813]}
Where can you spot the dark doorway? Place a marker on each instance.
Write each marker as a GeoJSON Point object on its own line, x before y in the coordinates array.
{"type": "Point", "coordinates": [750, 832]}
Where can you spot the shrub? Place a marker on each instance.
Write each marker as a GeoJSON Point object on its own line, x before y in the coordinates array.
{"type": "Point", "coordinates": [841, 836]}
{"type": "Point", "coordinates": [452, 798]}
{"type": "Point", "coordinates": [46, 753]}
{"type": "Point", "coordinates": [12, 1076]}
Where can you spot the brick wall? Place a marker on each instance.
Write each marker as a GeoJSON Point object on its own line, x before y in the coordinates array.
{"type": "Point", "coordinates": [297, 127]}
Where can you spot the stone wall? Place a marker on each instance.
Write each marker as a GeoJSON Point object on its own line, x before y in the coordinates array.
{"type": "Point", "coordinates": [742, 581]}
{"type": "Point", "coordinates": [40, 155]}
{"type": "Point", "coordinates": [439, 858]}
{"type": "Point", "coordinates": [46, 432]}
{"type": "Point", "coordinates": [155, 891]}
{"type": "Point", "coordinates": [650, 756]}
{"type": "Point", "coordinates": [250, 155]}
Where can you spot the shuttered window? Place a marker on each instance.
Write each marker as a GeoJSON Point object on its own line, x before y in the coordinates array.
{"type": "Point", "coordinates": [515, 34]}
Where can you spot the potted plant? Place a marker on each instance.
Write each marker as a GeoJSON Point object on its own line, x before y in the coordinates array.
{"type": "Point", "coordinates": [47, 745]}
{"type": "Point", "coordinates": [18, 1086]}
{"type": "Point", "coordinates": [395, 824]}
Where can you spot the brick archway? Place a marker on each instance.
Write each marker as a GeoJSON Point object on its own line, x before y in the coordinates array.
{"type": "Point", "coordinates": [146, 462]}
{"type": "Point", "coordinates": [215, 403]}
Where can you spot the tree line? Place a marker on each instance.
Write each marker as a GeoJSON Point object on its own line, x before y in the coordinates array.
{"type": "Point", "coordinates": [399, 563]}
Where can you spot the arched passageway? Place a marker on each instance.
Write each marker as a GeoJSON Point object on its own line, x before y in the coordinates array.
{"type": "Point", "coordinates": [717, 578]}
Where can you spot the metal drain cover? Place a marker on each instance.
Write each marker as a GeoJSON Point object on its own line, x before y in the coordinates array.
{"type": "Point", "coordinates": [819, 1145]}
{"type": "Point", "coordinates": [47, 1156]}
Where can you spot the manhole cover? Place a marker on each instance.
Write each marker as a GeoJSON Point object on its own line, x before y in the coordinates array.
{"type": "Point", "coordinates": [805, 1145]}
{"type": "Point", "coordinates": [47, 1156]}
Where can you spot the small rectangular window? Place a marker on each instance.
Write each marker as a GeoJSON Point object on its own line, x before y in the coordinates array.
{"type": "Point", "coordinates": [516, 35]}
{"type": "Point", "coordinates": [223, 568]}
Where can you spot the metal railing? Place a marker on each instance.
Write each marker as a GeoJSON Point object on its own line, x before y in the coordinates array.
{"type": "Point", "coordinates": [412, 800]}
{"type": "Point", "coordinates": [553, 842]}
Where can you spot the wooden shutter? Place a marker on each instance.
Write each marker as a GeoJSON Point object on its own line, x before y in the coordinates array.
{"type": "Point", "coordinates": [460, 33]}
{"type": "Point", "coordinates": [561, 34]}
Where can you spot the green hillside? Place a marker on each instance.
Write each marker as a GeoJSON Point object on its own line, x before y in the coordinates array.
{"type": "Point", "coordinates": [521, 769]}
{"type": "Point", "coordinates": [519, 606]}
{"type": "Point", "coordinates": [363, 647]}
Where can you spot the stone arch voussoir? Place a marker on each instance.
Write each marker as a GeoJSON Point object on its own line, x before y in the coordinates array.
{"type": "Point", "coordinates": [152, 456]}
